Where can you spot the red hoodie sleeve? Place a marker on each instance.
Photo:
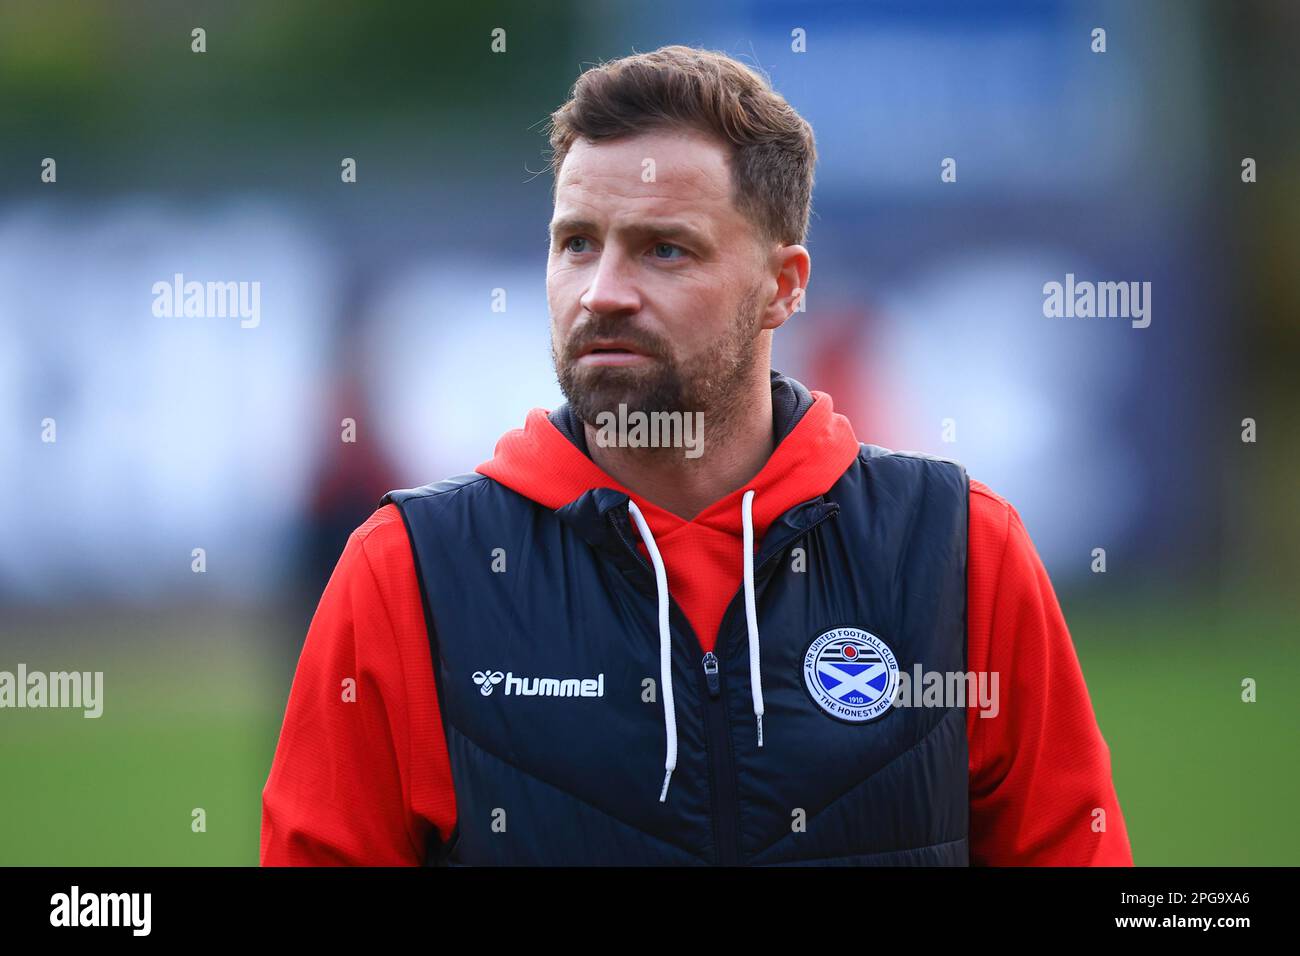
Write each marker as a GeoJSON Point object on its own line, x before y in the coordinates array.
{"type": "Point", "coordinates": [361, 782]}
{"type": "Point", "coordinates": [1040, 769]}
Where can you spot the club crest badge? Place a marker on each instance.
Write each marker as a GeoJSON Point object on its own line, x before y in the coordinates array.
{"type": "Point", "coordinates": [851, 674]}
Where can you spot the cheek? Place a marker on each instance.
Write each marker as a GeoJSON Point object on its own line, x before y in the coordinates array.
{"type": "Point", "coordinates": [561, 316]}
{"type": "Point", "coordinates": [554, 298]}
{"type": "Point", "coordinates": [694, 318]}
{"type": "Point", "coordinates": [559, 330]}
{"type": "Point", "coordinates": [561, 289]}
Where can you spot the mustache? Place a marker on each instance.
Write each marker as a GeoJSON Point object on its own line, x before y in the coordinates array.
{"type": "Point", "coordinates": [589, 333]}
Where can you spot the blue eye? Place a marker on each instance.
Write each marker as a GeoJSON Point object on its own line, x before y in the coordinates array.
{"type": "Point", "coordinates": [668, 245]}
{"type": "Point", "coordinates": [568, 243]}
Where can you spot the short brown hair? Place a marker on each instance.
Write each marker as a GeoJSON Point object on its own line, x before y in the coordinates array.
{"type": "Point", "coordinates": [773, 151]}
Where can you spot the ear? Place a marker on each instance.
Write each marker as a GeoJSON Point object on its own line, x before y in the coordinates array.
{"type": "Point", "coordinates": [791, 267]}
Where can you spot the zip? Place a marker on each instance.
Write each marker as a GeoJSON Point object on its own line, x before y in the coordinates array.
{"type": "Point", "coordinates": [711, 673]}
{"type": "Point", "coordinates": [726, 804]}
{"type": "Point", "coordinates": [727, 828]}
{"type": "Point", "coordinates": [726, 819]}
{"type": "Point", "coordinates": [715, 733]}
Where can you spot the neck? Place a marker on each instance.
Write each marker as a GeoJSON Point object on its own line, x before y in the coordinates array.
{"type": "Point", "coordinates": [737, 444]}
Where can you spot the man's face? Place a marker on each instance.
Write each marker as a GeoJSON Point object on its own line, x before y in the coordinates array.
{"type": "Point", "coordinates": [655, 288]}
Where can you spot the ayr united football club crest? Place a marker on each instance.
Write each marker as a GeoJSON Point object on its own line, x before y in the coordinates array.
{"type": "Point", "coordinates": [851, 674]}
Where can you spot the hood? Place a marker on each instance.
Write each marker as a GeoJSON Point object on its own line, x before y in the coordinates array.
{"type": "Point", "coordinates": [547, 461]}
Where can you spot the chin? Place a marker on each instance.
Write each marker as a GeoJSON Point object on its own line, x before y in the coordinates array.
{"type": "Point", "coordinates": [596, 390]}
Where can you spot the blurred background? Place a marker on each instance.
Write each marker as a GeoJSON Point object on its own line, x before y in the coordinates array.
{"type": "Point", "coordinates": [926, 304]}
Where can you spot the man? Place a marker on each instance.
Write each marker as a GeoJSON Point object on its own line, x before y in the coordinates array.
{"type": "Point", "coordinates": [595, 651]}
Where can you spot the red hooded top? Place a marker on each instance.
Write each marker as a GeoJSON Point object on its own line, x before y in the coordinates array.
{"type": "Point", "coordinates": [363, 782]}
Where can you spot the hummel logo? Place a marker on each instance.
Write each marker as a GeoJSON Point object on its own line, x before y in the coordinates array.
{"type": "Point", "coordinates": [541, 686]}
{"type": "Point", "coordinates": [487, 680]}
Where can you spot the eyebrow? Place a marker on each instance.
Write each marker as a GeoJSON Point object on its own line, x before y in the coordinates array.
{"type": "Point", "coordinates": [665, 228]}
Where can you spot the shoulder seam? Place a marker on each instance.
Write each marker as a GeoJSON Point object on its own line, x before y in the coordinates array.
{"type": "Point", "coordinates": [990, 494]}
{"type": "Point", "coordinates": [363, 533]}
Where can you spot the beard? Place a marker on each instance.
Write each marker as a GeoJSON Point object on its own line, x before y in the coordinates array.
{"type": "Point", "coordinates": [712, 383]}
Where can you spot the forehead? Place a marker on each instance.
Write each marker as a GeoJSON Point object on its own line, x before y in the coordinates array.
{"type": "Point", "coordinates": [692, 173]}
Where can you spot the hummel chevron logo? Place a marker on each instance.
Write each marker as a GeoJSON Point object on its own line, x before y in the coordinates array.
{"type": "Point", "coordinates": [487, 680]}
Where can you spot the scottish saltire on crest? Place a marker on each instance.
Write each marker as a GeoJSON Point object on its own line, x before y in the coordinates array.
{"type": "Point", "coordinates": [851, 674]}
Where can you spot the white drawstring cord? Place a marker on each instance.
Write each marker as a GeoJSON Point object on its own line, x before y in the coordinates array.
{"type": "Point", "coordinates": [665, 640]}
{"type": "Point", "coordinates": [665, 645]}
{"type": "Point", "coordinates": [751, 611]}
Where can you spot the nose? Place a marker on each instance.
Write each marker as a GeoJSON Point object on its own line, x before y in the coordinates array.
{"type": "Point", "coordinates": [612, 288]}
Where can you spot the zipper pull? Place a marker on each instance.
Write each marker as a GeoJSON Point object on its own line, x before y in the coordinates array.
{"type": "Point", "coordinates": [711, 673]}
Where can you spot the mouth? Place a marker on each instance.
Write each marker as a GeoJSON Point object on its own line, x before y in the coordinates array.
{"type": "Point", "coordinates": [611, 353]}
